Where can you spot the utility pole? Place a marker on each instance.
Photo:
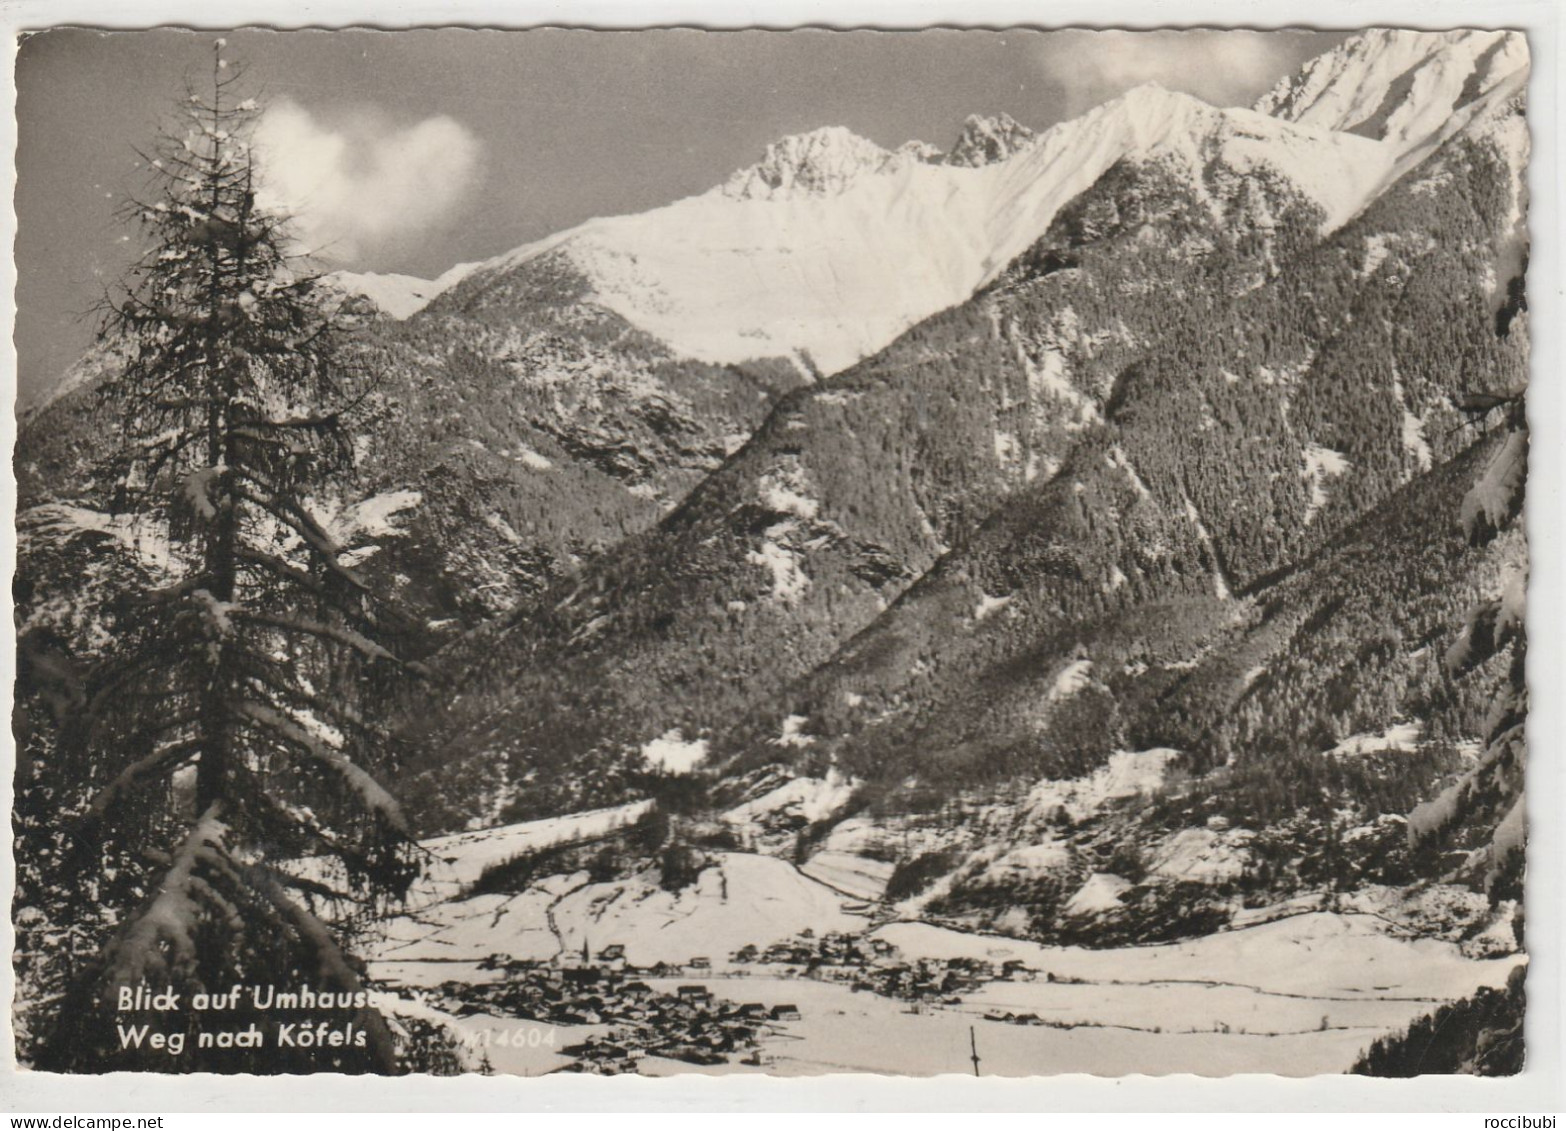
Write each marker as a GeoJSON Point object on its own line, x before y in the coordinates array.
{"type": "Point", "coordinates": [973, 1046]}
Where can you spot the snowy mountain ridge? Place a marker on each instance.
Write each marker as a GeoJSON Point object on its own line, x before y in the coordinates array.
{"type": "Point", "coordinates": [831, 246]}
{"type": "Point", "coordinates": [836, 277]}
{"type": "Point", "coordinates": [833, 276]}
{"type": "Point", "coordinates": [1397, 86]}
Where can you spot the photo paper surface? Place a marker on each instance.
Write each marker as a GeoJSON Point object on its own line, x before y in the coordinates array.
{"type": "Point", "coordinates": [792, 552]}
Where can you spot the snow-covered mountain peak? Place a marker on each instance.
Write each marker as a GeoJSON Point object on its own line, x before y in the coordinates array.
{"type": "Point", "coordinates": [984, 141]}
{"type": "Point", "coordinates": [1398, 85]}
{"type": "Point", "coordinates": [1147, 117]}
{"type": "Point", "coordinates": [822, 162]}
{"type": "Point", "coordinates": [1152, 111]}
{"type": "Point", "coordinates": [918, 152]}
{"type": "Point", "coordinates": [1150, 91]}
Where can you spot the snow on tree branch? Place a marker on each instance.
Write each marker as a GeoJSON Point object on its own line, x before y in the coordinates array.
{"type": "Point", "coordinates": [369, 790]}
{"type": "Point", "coordinates": [1498, 496]}
{"type": "Point", "coordinates": [159, 941]}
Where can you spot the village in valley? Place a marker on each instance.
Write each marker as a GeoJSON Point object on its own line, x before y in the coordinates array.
{"type": "Point", "coordinates": [663, 1010]}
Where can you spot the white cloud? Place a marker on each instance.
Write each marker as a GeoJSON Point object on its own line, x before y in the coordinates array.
{"type": "Point", "coordinates": [1225, 68]}
{"type": "Point", "coordinates": [364, 185]}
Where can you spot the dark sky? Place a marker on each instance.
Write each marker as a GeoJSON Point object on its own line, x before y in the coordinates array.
{"type": "Point", "coordinates": [412, 151]}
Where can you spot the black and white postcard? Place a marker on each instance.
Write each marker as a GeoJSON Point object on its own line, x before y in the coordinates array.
{"type": "Point", "coordinates": [787, 552]}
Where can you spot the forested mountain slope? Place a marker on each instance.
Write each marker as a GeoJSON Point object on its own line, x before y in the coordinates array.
{"type": "Point", "coordinates": [1173, 398]}
{"type": "Point", "coordinates": [1227, 458]}
{"type": "Point", "coordinates": [511, 433]}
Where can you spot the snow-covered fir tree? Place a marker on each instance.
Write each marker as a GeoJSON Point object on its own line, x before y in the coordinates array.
{"type": "Point", "coordinates": [223, 738]}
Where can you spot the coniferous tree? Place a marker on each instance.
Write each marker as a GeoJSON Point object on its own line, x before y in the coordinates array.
{"type": "Point", "coordinates": [224, 737]}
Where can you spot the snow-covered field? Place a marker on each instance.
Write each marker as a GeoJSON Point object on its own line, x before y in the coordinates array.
{"type": "Point", "coordinates": [743, 899]}
{"type": "Point", "coordinates": [843, 1031]}
{"type": "Point", "coordinates": [1138, 1024]}
{"type": "Point", "coordinates": [1322, 955]}
{"type": "Point", "coordinates": [457, 861]}
{"type": "Point", "coordinates": [850, 874]}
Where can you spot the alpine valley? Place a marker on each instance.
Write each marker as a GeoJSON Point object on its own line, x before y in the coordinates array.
{"type": "Point", "coordinates": [1016, 595]}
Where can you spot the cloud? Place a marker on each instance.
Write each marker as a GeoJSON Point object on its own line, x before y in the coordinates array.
{"type": "Point", "coordinates": [364, 187]}
{"type": "Point", "coordinates": [1226, 68]}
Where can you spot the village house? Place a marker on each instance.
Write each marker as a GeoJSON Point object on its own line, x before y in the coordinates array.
{"type": "Point", "coordinates": [695, 994]}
